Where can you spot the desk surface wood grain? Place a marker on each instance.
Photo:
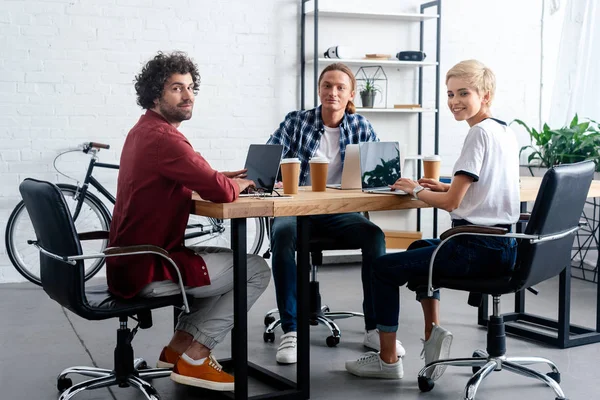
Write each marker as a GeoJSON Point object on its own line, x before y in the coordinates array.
{"type": "Point", "coordinates": [307, 202]}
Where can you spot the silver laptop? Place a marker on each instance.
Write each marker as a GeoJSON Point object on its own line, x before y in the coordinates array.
{"type": "Point", "coordinates": [350, 170]}
{"type": "Point", "coordinates": [380, 167]}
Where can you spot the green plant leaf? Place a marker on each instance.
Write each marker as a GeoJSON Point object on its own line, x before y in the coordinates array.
{"type": "Point", "coordinates": [574, 121]}
{"type": "Point", "coordinates": [523, 124]}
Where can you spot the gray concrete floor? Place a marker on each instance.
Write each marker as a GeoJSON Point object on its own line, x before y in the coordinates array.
{"type": "Point", "coordinates": [38, 339]}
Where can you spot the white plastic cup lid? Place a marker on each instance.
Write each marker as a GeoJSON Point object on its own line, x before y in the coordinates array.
{"type": "Point", "coordinates": [433, 157]}
{"type": "Point", "coordinates": [320, 160]}
{"type": "Point", "coordinates": [290, 161]}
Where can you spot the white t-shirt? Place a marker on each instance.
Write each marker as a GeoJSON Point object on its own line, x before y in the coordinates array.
{"type": "Point", "coordinates": [490, 155]}
{"type": "Point", "coordinates": [329, 147]}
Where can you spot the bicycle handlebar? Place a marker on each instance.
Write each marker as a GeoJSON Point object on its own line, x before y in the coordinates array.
{"type": "Point", "coordinates": [94, 145]}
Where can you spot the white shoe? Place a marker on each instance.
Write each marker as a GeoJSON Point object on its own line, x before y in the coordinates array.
{"type": "Point", "coordinates": [371, 341]}
{"type": "Point", "coordinates": [436, 348]}
{"type": "Point", "coordinates": [370, 365]}
{"type": "Point", "coordinates": [286, 353]}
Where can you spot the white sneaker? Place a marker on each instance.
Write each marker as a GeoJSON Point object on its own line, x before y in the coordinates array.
{"type": "Point", "coordinates": [286, 353]}
{"type": "Point", "coordinates": [370, 365]}
{"type": "Point", "coordinates": [436, 348]}
{"type": "Point", "coordinates": [371, 341]}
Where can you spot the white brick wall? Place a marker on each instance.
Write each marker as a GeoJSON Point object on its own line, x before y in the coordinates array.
{"type": "Point", "coordinates": [68, 66]}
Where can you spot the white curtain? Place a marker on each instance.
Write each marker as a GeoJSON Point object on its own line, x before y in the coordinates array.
{"type": "Point", "coordinates": [577, 85]}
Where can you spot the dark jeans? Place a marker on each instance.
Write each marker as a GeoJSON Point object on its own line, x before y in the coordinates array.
{"type": "Point", "coordinates": [353, 229]}
{"type": "Point", "coordinates": [461, 256]}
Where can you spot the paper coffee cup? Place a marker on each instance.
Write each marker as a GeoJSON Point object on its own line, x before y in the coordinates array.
{"type": "Point", "coordinates": [431, 167]}
{"type": "Point", "coordinates": [318, 173]}
{"type": "Point", "coordinates": [290, 175]}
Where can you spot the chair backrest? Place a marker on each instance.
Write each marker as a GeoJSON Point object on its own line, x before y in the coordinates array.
{"type": "Point", "coordinates": [55, 233]}
{"type": "Point", "coordinates": [558, 207]}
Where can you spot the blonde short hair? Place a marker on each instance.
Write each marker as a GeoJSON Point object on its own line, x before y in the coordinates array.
{"type": "Point", "coordinates": [477, 75]}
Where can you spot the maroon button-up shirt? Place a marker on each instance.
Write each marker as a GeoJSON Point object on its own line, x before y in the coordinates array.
{"type": "Point", "coordinates": [158, 171]}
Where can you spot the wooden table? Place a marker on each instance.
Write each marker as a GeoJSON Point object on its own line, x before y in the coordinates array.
{"type": "Point", "coordinates": [303, 204]}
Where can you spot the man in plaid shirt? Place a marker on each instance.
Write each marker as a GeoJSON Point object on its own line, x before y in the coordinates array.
{"type": "Point", "coordinates": [324, 132]}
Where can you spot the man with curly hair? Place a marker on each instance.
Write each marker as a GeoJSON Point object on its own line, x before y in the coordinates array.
{"type": "Point", "coordinates": [159, 169]}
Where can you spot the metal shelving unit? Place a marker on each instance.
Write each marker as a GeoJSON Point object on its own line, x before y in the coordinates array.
{"type": "Point", "coordinates": [404, 18]}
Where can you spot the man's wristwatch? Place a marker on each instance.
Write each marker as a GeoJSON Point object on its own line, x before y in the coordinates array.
{"type": "Point", "coordinates": [416, 190]}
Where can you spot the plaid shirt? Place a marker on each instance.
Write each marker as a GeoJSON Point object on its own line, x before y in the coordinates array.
{"type": "Point", "coordinates": [300, 134]}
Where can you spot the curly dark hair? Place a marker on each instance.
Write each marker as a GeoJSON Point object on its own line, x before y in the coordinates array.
{"type": "Point", "coordinates": [149, 84]}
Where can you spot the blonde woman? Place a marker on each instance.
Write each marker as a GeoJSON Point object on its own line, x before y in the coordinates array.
{"type": "Point", "coordinates": [484, 191]}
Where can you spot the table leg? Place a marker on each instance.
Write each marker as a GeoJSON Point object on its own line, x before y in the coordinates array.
{"type": "Point", "coordinates": [239, 335]}
{"type": "Point", "coordinates": [303, 266]}
{"type": "Point", "coordinates": [520, 295]}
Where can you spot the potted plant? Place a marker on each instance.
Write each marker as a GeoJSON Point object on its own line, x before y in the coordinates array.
{"type": "Point", "coordinates": [579, 141]}
{"type": "Point", "coordinates": [368, 90]}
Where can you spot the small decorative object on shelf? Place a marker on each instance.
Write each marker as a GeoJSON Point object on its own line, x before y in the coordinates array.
{"type": "Point", "coordinates": [411, 56]}
{"type": "Point", "coordinates": [337, 52]}
{"type": "Point", "coordinates": [376, 56]}
{"type": "Point", "coordinates": [371, 80]}
{"type": "Point", "coordinates": [409, 106]}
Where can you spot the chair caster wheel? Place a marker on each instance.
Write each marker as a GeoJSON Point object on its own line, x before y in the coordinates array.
{"type": "Point", "coordinates": [269, 337]}
{"type": "Point", "coordinates": [332, 341]}
{"type": "Point", "coordinates": [425, 384]}
{"type": "Point", "coordinates": [554, 375]}
{"type": "Point", "coordinates": [63, 384]}
{"type": "Point", "coordinates": [475, 369]}
{"type": "Point", "coordinates": [269, 319]}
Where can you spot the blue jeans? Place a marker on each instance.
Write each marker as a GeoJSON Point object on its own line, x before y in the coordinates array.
{"type": "Point", "coordinates": [484, 257]}
{"type": "Point", "coordinates": [353, 229]}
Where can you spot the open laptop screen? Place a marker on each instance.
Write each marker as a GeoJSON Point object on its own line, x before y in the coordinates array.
{"type": "Point", "coordinates": [262, 163]}
{"type": "Point", "coordinates": [379, 164]}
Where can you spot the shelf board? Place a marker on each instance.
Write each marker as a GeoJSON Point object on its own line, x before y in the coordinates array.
{"type": "Point", "coordinates": [373, 15]}
{"type": "Point", "coordinates": [361, 110]}
{"type": "Point", "coordinates": [365, 61]}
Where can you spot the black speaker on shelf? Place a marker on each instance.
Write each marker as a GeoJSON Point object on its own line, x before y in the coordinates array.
{"type": "Point", "coordinates": [411, 56]}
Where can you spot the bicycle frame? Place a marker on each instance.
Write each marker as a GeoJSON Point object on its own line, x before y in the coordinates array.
{"type": "Point", "coordinates": [89, 179]}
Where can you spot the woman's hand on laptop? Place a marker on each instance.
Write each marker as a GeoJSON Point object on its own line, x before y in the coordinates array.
{"type": "Point", "coordinates": [244, 183]}
{"type": "Point", "coordinates": [404, 184]}
{"type": "Point", "coordinates": [278, 185]}
{"type": "Point", "coordinates": [433, 185]}
{"type": "Point", "coordinates": [235, 174]}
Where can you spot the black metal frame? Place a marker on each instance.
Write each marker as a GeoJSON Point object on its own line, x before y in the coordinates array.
{"type": "Point", "coordinates": [242, 368]}
{"type": "Point", "coordinates": [587, 239]}
{"type": "Point", "coordinates": [423, 7]}
{"type": "Point", "coordinates": [565, 334]}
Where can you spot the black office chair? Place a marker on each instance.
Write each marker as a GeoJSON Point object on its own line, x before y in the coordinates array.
{"type": "Point", "coordinates": [318, 314]}
{"type": "Point", "coordinates": [544, 251]}
{"type": "Point", "coordinates": [62, 276]}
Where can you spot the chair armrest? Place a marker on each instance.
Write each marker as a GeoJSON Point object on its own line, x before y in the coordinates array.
{"type": "Point", "coordinates": [130, 250]}
{"type": "Point", "coordinates": [473, 229]}
{"type": "Point", "coordinates": [524, 217]}
{"type": "Point", "coordinates": [93, 235]}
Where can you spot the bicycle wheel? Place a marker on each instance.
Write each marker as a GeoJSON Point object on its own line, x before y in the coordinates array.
{"type": "Point", "coordinates": [206, 231]}
{"type": "Point", "coordinates": [25, 258]}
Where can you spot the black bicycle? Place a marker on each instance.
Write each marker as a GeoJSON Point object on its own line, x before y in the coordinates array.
{"type": "Point", "coordinates": [90, 213]}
